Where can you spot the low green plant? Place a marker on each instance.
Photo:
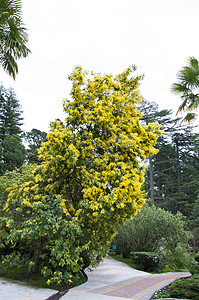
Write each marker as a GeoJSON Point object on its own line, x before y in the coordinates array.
{"type": "Point", "coordinates": [180, 258]}
{"type": "Point", "coordinates": [169, 268]}
{"type": "Point", "coordinates": [18, 267]}
{"type": "Point", "coordinates": [186, 288]}
{"type": "Point", "coordinates": [164, 293]}
{"type": "Point", "coordinates": [147, 261]}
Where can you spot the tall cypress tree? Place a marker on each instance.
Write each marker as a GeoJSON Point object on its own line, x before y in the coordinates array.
{"type": "Point", "coordinates": [10, 129]}
{"type": "Point", "coordinates": [11, 113]}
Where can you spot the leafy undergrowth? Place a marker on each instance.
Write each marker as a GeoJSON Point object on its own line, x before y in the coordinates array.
{"type": "Point", "coordinates": [129, 262]}
{"type": "Point", "coordinates": [21, 274]}
{"type": "Point", "coordinates": [186, 288]}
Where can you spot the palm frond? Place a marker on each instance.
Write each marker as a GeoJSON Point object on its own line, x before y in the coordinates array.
{"type": "Point", "coordinates": [188, 88]}
{"type": "Point", "coordinates": [13, 36]}
{"type": "Point", "coordinates": [8, 63]}
{"type": "Point", "coordinates": [178, 88]}
{"type": "Point", "coordinates": [189, 117]}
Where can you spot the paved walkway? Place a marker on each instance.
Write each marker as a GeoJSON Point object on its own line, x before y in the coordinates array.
{"type": "Point", "coordinates": [112, 280]}
{"type": "Point", "coordinates": [14, 290]}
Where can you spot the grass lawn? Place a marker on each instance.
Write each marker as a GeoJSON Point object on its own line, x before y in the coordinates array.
{"type": "Point", "coordinates": [127, 261]}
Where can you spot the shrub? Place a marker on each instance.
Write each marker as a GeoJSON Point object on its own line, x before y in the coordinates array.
{"type": "Point", "coordinates": [180, 257]}
{"type": "Point", "coordinates": [147, 261]}
{"type": "Point", "coordinates": [187, 288]}
{"type": "Point", "coordinates": [150, 230]}
{"type": "Point", "coordinates": [123, 240]}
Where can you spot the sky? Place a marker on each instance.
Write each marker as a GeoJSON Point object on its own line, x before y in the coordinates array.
{"type": "Point", "coordinates": [103, 36]}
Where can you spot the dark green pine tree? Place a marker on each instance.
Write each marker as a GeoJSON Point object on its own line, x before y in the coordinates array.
{"type": "Point", "coordinates": [174, 172]}
{"type": "Point", "coordinates": [186, 146]}
{"type": "Point", "coordinates": [12, 149]}
{"type": "Point", "coordinates": [152, 114]}
{"type": "Point", "coordinates": [11, 113]}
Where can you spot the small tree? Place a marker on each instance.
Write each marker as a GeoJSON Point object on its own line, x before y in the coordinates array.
{"type": "Point", "coordinates": [90, 178]}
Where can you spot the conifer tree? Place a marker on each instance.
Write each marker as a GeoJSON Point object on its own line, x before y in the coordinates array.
{"type": "Point", "coordinates": [10, 131]}
{"type": "Point", "coordinates": [11, 113]}
{"type": "Point", "coordinates": [175, 167]}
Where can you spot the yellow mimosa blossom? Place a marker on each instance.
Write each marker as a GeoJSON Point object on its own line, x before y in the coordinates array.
{"type": "Point", "coordinates": [90, 176]}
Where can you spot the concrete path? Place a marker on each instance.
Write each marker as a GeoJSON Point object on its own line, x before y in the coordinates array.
{"type": "Point", "coordinates": [16, 290]}
{"type": "Point", "coordinates": [111, 280]}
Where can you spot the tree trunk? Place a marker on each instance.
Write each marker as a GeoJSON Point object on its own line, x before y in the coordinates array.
{"type": "Point", "coordinates": [151, 178]}
{"type": "Point", "coordinates": [178, 167]}
{"type": "Point", "coordinates": [159, 184]}
{"type": "Point", "coordinates": [39, 249]}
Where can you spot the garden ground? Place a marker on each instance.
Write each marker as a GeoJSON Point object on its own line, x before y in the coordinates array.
{"type": "Point", "coordinates": [111, 279]}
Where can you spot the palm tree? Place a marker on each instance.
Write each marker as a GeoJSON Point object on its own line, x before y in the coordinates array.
{"type": "Point", "coordinates": [13, 36]}
{"type": "Point", "coordinates": [188, 87]}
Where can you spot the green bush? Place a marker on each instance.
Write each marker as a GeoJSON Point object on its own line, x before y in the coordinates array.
{"type": "Point", "coordinates": [187, 288]}
{"type": "Point", "coordinates": [123, 241]}
{"type": "Point", "coordinates": [147, 261]}
{"type": "Point", "coordinates": [180, 258]}
{"type": "Point", "coordinates": [151, 230]}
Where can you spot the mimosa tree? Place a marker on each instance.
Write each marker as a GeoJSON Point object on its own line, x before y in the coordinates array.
{"type": "Point", "coordinates": [90, 179]}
